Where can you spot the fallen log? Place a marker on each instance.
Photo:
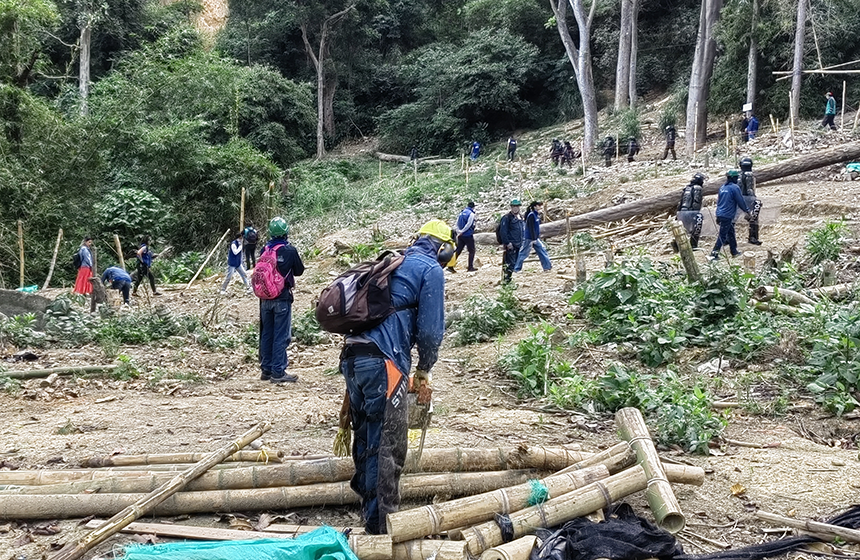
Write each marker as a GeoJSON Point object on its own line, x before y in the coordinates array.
{"type": "Point", "coordinates": [776, 308]}
{"type": "Point", "coordinates": [556, 511]}
{"type": "Point", "coordinates": [396, 158]}
{"type": "Point", "coordinates": [261, 456]}
{"type": "Point", "coordinates": [143, 505]}
{"type": "Point", "coordinates": [661, 498]}
{"type": "Point", "coordinates": [790, 297]}
{"type": "Point", "coordinates": [836, 291]}
{"type": "Point", "coordinates": [669, 201]}
{"type": "Point", "coordinates": [450, 459]}
{"type": "Point", "coordinates": [64, 506]}
{"type": "Point", "coordinates": [519, 549]}
{"type": "Point", "coordinates": [434, 519]}
{"type": "Point", "coordinates": [820, 529]}
{"type": "Point", "coordinates": [70, 370]}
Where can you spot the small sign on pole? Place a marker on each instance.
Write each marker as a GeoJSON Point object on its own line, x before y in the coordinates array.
{"type": "Point", "coordinates": [747, 108]}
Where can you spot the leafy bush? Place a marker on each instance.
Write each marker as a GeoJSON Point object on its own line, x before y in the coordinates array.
{"type": "Point", "coordinates": [834, 360]}
{"type": "Point", "coordinates": [19, 331]}
{"type": "Point", "coordinates": [307, 330]}
{"type": "Point", "coordinates": [179, 269]}
{"type": "Point", "coordinates": [534, 361]}
{"type": "Point", "coordinates": [825, 243]}
{"type": "Point", "coordinates": [129, 212]}
{"type": "Point", "coordinates": [141, 327]}
{"type": "Point", "coordinates": [484, 318]}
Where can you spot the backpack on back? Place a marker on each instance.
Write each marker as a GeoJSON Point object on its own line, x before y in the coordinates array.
{"type": "Point", "coordinates": [250, 235]}
{"type": "Point", "coordinates": [266, 279]}
{"type": "Point", "coordinates": [499, 233]}
{"type": "Point", "coordinates": [77, 261]}
{"type": "Point", "coordinates": [360, 298]}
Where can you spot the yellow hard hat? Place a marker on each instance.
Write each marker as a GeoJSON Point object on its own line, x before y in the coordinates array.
{"type": "Point", "coordinates": [438, 229]}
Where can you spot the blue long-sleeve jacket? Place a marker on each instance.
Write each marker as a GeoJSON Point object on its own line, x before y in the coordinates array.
{"type": "Point", "coordinates": [466, 222]}
{"type": "Point", "coordinates": [419, 279]}
{"type": "Point", "coordinates": [86, 256]}
{"type": "Point", "coordinates": [116, 276]}
{"type": "Point", "coordinates": [729, 199]}
{"type": "Point", "coordinates": [532, 226]}
{"type": "Point", "coordinates": [289, 261]}
{"type": "Point", "coordinates": [511, 229]}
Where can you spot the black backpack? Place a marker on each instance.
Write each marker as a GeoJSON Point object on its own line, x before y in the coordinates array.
{"type": "Point", "coordinates": [499, 232]}
{"type": "Point", "coordinates": [76, 260]}
{"type": "Point", "coordinates": [250, 235]}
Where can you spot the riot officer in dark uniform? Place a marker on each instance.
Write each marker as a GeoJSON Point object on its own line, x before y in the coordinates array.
{"type": "Point", "coordinates": [670, 142]}
{"type": "Point", "coordinates": [608, 146]}
{"type": "Point", "coordinates": [747, 184]}
{"type": "Point", "coordinates": [690, 208]}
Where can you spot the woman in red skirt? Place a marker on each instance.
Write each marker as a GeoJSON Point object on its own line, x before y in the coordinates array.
{"type": "Point", "coordinates": [85, 270]}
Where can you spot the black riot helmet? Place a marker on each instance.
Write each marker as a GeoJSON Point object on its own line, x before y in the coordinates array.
{"type": "Point", "coordinates": [698, 179]}
{"type": "Point", "coordinates": [745, 164]}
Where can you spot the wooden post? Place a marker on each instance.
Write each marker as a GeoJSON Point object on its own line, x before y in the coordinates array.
{"type": "Point", "coordinates": [415, 170]}
{"type": "Point", "coordinates": [686, 250]}
{"type": "Point", "coordinates": [269, 202]}
{"type": "Point", "coordinates": [242, 211]}
{"type": "Point", "coordinates": [74, 550]}
{"type": "Point", "coordinates": [728, 155]}
{"type": "Point", "coordinates": [749, 261]}
{"type": "Point", "coordinates": [828, 274]}
{"type": "Point", "coordinates": [772, 124]}
{"type": "Point", "coordinates": [609, 257]}
{"type": "Point", "coordinates": [21, 251]}
{"type": "Point", "coordinates": [496, 176]}
{"type": "Point", "coordinates": [462, 162]}
{"type": "Point", "coordinates": [467, 172]}
{"type": "Point", "coordinates": [581, 272]}
{"type": "Point", "coordinates": [791, 124]}
{"type": "Point", "coordinates": [209, 256]}
{"type": "Point", "coordinates": [842, 122]}
{"type": "Point", "coordinates": [119, 251]}
{"type": "Point", "coordinates": [567, 220]}
{"type": "Point", "coordinates": [53, 259]}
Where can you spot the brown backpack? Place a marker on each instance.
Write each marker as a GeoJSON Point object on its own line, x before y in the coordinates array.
{"type": "Point", "coordinates": [360, 298]}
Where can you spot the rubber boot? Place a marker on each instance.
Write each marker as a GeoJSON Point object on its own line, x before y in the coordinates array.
{"type": "Point", "coordinates": [753, 237]}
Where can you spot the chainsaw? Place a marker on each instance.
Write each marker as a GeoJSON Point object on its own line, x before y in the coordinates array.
{"type": "Point", "coordinates": [419, 408]}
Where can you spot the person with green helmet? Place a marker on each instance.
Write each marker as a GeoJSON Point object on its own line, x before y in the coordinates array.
{"type": "Point", "coordinates": [511, 237]}
{"type": "Point", "coordinates": [729, 199]}
{"type": "Point", "coordinates": [276, 314]}
{"type": "Point", "coordinates": [376, 365]}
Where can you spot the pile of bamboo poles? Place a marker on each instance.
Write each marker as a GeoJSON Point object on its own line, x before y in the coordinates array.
{"type": "Point", "coordinates": [533, 486]}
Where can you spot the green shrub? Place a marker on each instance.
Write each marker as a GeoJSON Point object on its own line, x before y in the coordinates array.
{"type": "Point", "coordinates": [484, 318]}
{"type": "Point", "coordinates": [307, 330]}
{"type": "Point", "coordinates": [825, 243]}
{"type": "Point", "coordinates": [534, 361]}
{"type": "Point", "coordinates": [19, 331]}
{"type": "Point", "coordinates": [179, 269]}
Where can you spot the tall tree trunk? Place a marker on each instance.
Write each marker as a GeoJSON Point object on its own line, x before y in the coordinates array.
{"type": "Point", "coordinates": [799, 36]}
{"type": "Point", "coordinates": [580, 58]}
{"type": "Point", "coordinates": [634, 50]}
{"type": "Point", "coordinates": [700, 76]}
{"type": "Point", "coordinates": [752, 61]}
{"type": "Point", "coordinates": [328, 105]}
{"type": "Point", "coordinates": [622, 67]}
{"type": "Point", "coordinates": [84, 67]}
{"type": "Point", "coordinates": [319, 65]}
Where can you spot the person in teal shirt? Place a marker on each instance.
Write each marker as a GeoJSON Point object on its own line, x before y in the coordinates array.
{"type": "Point", "coordinates": [829, 112]}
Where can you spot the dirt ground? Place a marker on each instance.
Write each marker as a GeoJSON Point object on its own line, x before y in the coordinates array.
{"type": "Point", "coordinates": [475, 405]}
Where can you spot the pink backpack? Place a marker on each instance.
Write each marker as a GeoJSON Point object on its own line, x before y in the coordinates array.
{"type": "Point", "coordinates": [266, 280]}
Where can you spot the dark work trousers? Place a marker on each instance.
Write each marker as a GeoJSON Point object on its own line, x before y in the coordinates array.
{"type": "Point", "coordinates": [469, 243]}
{"type": "Point", "coordinates": [669, 148]}
{"type": "Point", "coordinates": [510, 263]}
{"type": "Point", "coordinates": [828, 121]}
{"type": "Point", "coordinates": [250, 255]}
{"type": "Point", "coordinates": [143, 271]}
{"type": "Point", "coordinates": [726, 237]}
{"type": "Point", "coordinates": [377, 408]}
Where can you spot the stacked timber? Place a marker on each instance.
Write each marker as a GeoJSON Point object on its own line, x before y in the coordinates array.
{"type": "Point", "coordinates": [478, 502]}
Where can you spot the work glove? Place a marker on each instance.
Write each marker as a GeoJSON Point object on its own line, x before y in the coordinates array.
{"type": "Point", "coordinates": [421, 384]}
{"type": "Point", "coordinates": [747, 216]}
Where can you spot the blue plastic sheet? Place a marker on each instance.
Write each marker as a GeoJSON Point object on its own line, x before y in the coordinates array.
{"type": "Point", "coordinates": [323, 544]}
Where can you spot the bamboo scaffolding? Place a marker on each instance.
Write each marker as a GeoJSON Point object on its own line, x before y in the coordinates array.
{"type": "Point", "coordinates": [823, 529]}
{"type": "Point", "coordinates": [75, 549]}
{"type": "Point", "coordinates": [434, 519]}
{"type": "Point", "coordinates": [64, 506]}
{"type": "Point", "coordinates": [40, 373]}
{"type": "Point", "coordinates": [451, 459]}
{"type": "Point", "coordinates": [661, 498]}
{"type": "Point", "coordinates": [556, 511]}
{"type": "Point", "coordinates": [261, 456]}
{"type": "Point", "coordinates": [519, 549]}
{"type": "Point", "coordinates": [421, 549]}
{"type": "Point", "coordinates": [53, 260]}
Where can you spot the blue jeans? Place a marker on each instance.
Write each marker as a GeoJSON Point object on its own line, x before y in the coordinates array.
{"type": "Point", "coordinates": [726, 236]}
{"type": "Point", "coordinates": [377, 407]}
{"type": "Point", "coordinates": [275, 335]}
{"type": "Point", "coordinates": [230, 270]}
{"type": "Point", "coordinates": [526, 250]}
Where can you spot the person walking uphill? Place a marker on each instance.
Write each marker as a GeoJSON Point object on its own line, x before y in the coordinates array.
{"type": "Point", "coordinates": [234, 264]}
{"type": "Point", "coordinates": [144, 266]}
{"type": "Point", "coordinates": [511, 238]}
{"type": "Point", "coordinates": [466, 234]}
{"type": "Point", "coordinates": [670, 142]}
{"type": "Point", "coordinates": [729, 199]}
{"type": "Point", "coordinates": [532, 239]}
{"type": "Point", "coordinates": [84, 257]}
{"type": "Point", "coordinates": [829, 112]}
{"type": "Point", "coordinates": [119, 280]}
{"type": "Point", "coordinates": [249, 246]}
{"type": "Point", "coordinates": [376, 365]}
{"type": "Point", "coordinates": [273, 281]}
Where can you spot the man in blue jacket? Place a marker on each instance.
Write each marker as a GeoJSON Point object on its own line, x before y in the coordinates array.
{"type": "Point", "coordinates": [376, 365]}
{"type": "Point", "coordinates": [532, 239]}
{"type": "Point", "coordinates": [466, 234]}
{"type": "Point", "coordinates": [276, 314]}
{"type": "Point", "coordinates": [511, 238]}
{"type": "Point", "coordinates": [119, 280]}
{"type": "Point", "coordinates": [729, 199]}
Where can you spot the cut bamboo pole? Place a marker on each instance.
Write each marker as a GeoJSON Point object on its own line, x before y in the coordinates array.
{"type": "Point", "coordinates": [519, 549]}
{"type": "Point", "coordinates": [21, 252]}
{"type": "Point", "coordinates": [791, 297]}
{"type": "Point", "coordinates": [616, 458]}
{"type": "Point", "coordinates": [71, 370]}
{"type": "Point", "coordinates": [53, 259]}
{"type": "Point", "coordinates": [686, 251]}
{"type": "Point", "coordinates": [371, 547]}
{"type": "Point", "coordinates": [119, 254]}
{"type": "Point", "coordinates": [842, 120]}
{"type": "Point", "coordinates": [261, 456]}
{"type": "Point", "coordinates": [421, 549]}
{"type": "Point", "coordinates": [242, 211]}
{"type": "Point", "coordinates": [824, 529]}
{"type": "Point", "coordinates": [206, 261]}
{"type": "Point", "coordinates": [661, 499]}
{"type": "Point", "coordinates": [149, 502]}
{"type": "Point", "coordinates": [434, 519]}
{"type": "Point", "coordinates": [777, 308]}
{"type": "Point", "coordinates": [57, 506]}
